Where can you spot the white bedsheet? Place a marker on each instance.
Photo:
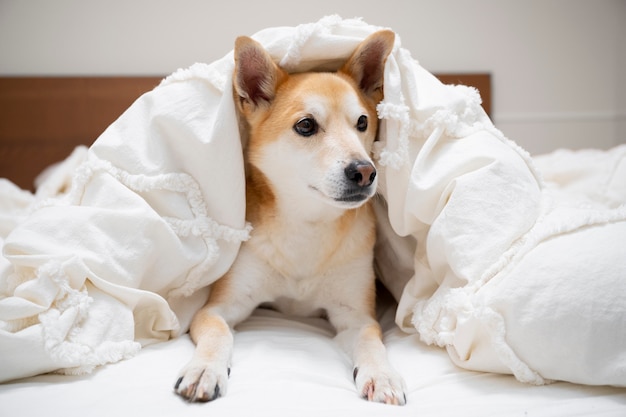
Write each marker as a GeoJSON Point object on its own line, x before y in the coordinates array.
{"type": "Point", "coordinates": [292, 367]}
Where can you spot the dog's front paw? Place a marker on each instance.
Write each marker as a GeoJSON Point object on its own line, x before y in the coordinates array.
{"type": "Point", "coordinates": [383, 386]}
{"type": "Point", "coordinates": [202, 382]}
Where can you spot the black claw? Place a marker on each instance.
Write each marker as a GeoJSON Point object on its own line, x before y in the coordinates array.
{"type": "Point", "coordinates": [355, 372]}
{"type": "Point", "coordinates": [216, 393]}
{"type": "Point", "coordinates": [178, 382]}
{"type": "Point", "coordinates": [228, 371]}
{"type": "Point", "coordinates": [404, 395]}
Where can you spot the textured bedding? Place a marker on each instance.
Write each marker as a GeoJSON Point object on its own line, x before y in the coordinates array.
{"type": "Point", "coordinates": [512, 265]}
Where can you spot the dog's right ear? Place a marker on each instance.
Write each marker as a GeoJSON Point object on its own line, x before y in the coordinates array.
{"type": "Point", "coordinates": [256, 74]}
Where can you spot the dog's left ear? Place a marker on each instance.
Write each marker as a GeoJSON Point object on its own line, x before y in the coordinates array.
{"type": "Point", "coordinates": [367, 64]}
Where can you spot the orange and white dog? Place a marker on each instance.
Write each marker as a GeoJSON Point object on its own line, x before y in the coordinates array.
{"type": "Point", "coordinates": [310, 179]}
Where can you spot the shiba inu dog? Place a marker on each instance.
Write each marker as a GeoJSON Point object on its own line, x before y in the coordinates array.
{"type": "Point", "coordinates": [310, 178]}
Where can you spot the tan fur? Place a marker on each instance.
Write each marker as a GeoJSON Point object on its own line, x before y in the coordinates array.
{"type": "Point", "coordinates": [309, 183]}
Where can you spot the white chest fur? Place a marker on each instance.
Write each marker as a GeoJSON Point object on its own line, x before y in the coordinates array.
{"type": "Point", "coordinates": [305, 266]}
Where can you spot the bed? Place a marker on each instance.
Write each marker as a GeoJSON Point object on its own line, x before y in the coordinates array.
{"type": "Point", "coordinates": [282, 365]}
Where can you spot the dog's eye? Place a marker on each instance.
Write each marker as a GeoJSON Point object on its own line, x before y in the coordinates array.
{"type": "Point", "coordinates": [361, 124]}
{"type": "Point", "coordinates": [306, 126]}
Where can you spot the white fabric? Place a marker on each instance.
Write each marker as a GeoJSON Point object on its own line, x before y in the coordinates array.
{"type": "Point", "coordinates": [473, 246]}
{"type": "Point", "coordinates": [285, 366]}
{"type": "Point", "coordinates": [119, 260]}
{"type": "Point", "coordinates": [547, 303]}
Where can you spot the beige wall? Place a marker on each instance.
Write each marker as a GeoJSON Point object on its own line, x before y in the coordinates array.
{"type": "Point", "coordinates": [558, 65]}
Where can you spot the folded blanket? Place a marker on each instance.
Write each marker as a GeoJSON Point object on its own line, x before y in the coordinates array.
{"type": "Point", "coordinates": [481, 255]}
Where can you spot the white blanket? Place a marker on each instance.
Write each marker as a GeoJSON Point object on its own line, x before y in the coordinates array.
{"type": "Point", "coordinates": [510, 276]}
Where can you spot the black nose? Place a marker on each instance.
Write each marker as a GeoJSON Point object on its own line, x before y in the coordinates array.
{"type": "Point", "coordinates": [361, 173]}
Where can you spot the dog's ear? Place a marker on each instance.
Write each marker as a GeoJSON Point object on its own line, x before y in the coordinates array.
{"type": "Point", "coordinates": [366, 65]}
{"type": "Point", "coordinates": [256, 75]}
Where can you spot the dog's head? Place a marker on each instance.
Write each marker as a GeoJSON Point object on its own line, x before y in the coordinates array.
{"type": "Point", "coordinates": [311, 134]}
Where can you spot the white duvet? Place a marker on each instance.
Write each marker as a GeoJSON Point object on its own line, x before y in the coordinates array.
{"type": "Point", "coordinates": [509, 272]}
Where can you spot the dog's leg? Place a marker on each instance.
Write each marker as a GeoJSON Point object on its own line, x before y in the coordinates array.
{"type": "Point", "coordinates": [205, 377]}
{"type": "Point", "coordinates": [361, 337]}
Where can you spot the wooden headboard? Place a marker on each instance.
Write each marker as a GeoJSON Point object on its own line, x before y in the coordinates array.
{"type": "Point", "coordinates": [42, 119]}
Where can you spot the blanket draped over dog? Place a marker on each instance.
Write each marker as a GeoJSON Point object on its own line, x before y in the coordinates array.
{"type": "Point", "coordinates": [513, 265]}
